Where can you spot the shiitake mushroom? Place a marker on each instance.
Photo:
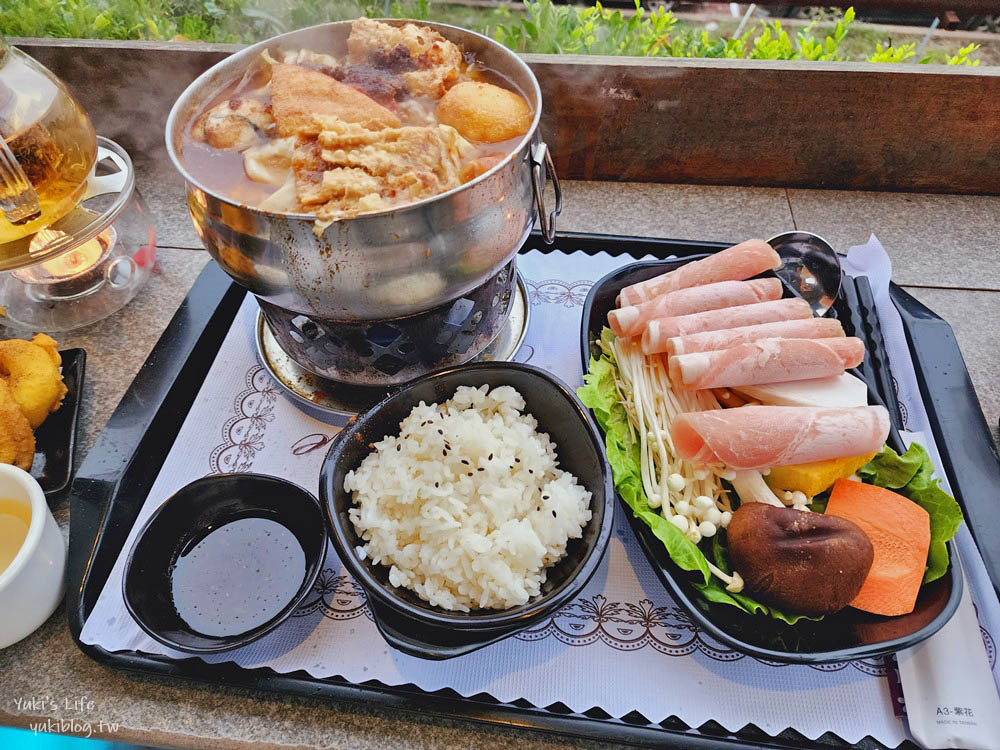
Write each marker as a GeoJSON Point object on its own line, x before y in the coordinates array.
{"type": "Point", "coordinates": [796, 560]}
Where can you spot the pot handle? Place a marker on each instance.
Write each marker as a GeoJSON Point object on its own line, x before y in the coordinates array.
{"type": "Point", "coordinates": [541, 159]}
{"type": "Point", "coordinates": [109, 183]}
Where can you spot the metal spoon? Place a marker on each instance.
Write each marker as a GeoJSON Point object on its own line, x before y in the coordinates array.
{"type": "Point", "coordinates": [810, 266]}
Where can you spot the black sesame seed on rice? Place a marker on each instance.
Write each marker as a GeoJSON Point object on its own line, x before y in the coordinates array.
{"type": "Point", "coordinates": [554, 514]}
{"type": "Point", "coordinates": [489, 457]}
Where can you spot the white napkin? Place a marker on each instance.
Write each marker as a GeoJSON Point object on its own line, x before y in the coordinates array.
{"type": "Point", "coordinates": [623, 645]}
{"type": "Point", "coordinates": [948, 684]}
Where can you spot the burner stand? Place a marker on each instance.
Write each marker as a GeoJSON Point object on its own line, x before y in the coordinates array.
{"type": "Point", "coordinates": [342, 400]}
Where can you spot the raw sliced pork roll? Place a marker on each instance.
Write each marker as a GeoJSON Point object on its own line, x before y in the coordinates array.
{"type": "Point", "coordinates": [758, 437]}
{"type": "Point", "coordinates": [631, 319]}
{"type": "Point", "coordinates": [658, 330]}
{"type": "Point", "coordinates": [736, 263]}
{"type": "Point", "coordinates": [766, 361]}
{"type": "Point", "coordinates": [712, 341]}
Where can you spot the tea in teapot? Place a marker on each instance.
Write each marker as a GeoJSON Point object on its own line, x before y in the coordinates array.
{"type": "Point", "coordinates": [48, 137]}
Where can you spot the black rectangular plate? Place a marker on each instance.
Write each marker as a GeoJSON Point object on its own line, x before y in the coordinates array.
{"type": "Point", "coordinates": [115, 478]}
{"type": "Point", "coordinates": [844, 636]}
{"type": "Point", "coordinates": [55, 440]}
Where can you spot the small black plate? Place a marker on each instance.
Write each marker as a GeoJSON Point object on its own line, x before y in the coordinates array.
{"type": "Point", "coordinates": [187, 517]}
{"type": "Point", "coordinates": [407, 622]}
{"type": "Point", "coordinates": [55, 440]}
{"type": "Point", "coordinates": [847, 635]}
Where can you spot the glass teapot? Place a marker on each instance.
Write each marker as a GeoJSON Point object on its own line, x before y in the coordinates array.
{"type": "Point", "coordinates": [47, 147]}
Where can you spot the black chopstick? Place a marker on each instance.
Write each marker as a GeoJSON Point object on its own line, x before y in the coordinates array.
{"type": "Point", "coordinates": [880, 371]}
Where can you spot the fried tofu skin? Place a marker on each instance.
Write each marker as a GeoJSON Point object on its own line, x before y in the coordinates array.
{"type": "Point", "coordinates": [427, 61]}
{"type": "Point", "coordinates": [350, 169]}
{"type": "Point", "coordinates": [299, 94]}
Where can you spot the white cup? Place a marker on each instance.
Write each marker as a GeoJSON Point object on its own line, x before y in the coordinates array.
{"type": "Point", "coordinates": [33, 584]}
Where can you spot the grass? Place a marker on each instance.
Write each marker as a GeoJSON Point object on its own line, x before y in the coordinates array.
{"type": "Point", "coordinates": [537, 26]}
{"type": "Point", "coordinates": [235, 21]}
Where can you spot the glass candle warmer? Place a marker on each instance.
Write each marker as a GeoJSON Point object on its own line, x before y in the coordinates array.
{"type": "Point", "coordinates": [90, 263]}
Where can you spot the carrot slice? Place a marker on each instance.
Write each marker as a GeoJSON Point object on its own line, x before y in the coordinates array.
{"type": "Point", "coordinates": [900, 532]}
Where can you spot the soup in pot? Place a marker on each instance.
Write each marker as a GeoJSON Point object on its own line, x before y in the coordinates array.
{"type": "Point", "coordinates": [406, 115]}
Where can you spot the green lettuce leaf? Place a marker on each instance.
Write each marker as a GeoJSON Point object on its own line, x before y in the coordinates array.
{"type": "Point", "coordinates": [911, 475]}
{"type": "Point", "coordinates": [600, 394]}
{"type": "Point", "coordinates": [890, 470]}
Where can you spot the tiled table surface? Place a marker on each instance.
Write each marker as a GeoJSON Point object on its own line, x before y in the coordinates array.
{"type": "Point", "coordinates": [945, 252]}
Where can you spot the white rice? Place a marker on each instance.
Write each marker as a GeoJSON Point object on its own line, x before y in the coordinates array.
{"type": "Point", "coordinates": [468, 506]}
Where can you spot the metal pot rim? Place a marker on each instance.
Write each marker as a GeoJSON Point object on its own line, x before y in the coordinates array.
{"type": "Point", "coordinates": [252, 51]}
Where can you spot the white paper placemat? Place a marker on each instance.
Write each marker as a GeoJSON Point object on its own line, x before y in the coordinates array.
{"type": "Point", "coordinates": [624, 628]}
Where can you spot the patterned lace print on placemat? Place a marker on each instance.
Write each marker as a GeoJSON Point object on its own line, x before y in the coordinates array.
{"type": "Point", "coordinates": [558, 292]}
{"type": "Point", "coordinates": [586, 622]}
{"type": "Point", "coordinates": [243, 433]}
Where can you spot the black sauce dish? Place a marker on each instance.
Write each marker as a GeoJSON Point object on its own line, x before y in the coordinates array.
{"type": "Point", "coordinates": [407, 622]}
{"type": "Point", "coordinates": [847, 635]}
{"type": "Point", "coordinates": [189, 516]}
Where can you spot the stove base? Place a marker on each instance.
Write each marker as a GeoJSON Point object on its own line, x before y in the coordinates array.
{"type": "Point", "coordinates": [344, 399]}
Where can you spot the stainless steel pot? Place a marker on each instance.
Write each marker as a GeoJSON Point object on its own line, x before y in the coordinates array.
{"type": "Point", "coordinates": [383, 265]}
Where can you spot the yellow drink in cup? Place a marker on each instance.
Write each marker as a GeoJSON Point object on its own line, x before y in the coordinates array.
{"type": "Point", "coordinates": [15, 518]}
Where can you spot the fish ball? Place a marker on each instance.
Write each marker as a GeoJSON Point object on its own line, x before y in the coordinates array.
{"type": "Point", "coordinates": [484, 112]}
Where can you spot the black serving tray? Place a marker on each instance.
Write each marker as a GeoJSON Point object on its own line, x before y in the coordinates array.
{"type": "Point", "coordinates": [849, 634]}
{"type": "Point", "coordinates": [116, 476]}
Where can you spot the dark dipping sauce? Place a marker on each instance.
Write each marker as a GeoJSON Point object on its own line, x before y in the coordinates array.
{"type": "Point", "coordinates": [238, 577]}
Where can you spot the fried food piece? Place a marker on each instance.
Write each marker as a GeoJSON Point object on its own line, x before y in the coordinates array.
{"type": "Point", "coordinates": [50, 345]}
{"type": "Point", "coordinates": [484, 112]}
{"type": "Point", "coordinates": [17, 441]}
{"type": "Point", "coordinates": [298, 94]}
{"type": "Point", "coordinates": [350, 170]}
{"type": "Point", "coordinates": [31, 369]}
{"type": "Point", "coordinates": [237, 123]}
{"type": "Point", "coordinates": [427, 62]}
{"type": "Point", "coordinates": [479, 166]}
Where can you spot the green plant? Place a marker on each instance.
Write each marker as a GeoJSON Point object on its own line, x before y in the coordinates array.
{"type": "Point", "coordinates": [811, 48]}
{"type": "Point", "coordinates": [962, 58]}
{"type": "Point", "coordinates": [538, 26]}
{"type": "Point", "coordinates": [773, 43]}
{"type": "Point", "coordinates": [890, 54]}
{"type": "Point", "coordinates": [545, 28]}
{"type": "Point", "coordinates": [604, 32]}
